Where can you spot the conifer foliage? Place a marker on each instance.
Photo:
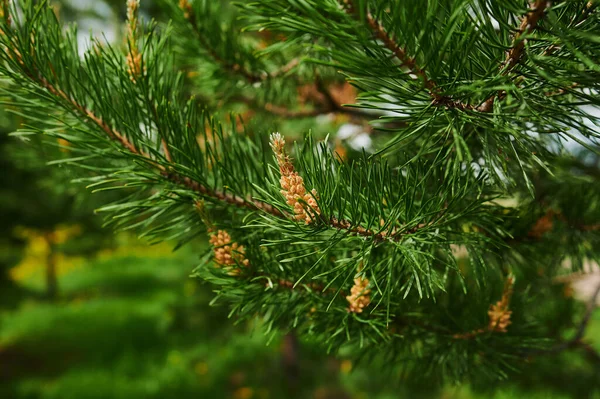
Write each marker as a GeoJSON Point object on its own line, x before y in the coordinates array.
{"type": "Point", "coordinates": [444, 247]}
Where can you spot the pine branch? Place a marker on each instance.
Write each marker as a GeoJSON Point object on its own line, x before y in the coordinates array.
{"type": "Point", "coordinates": [322, 226]}
{"type": "Point", "coordinates": [589, 351]}
{"type": "Point", "coordinates": [576, 341]}
{"type": "Point", "coordinates": [516, 51]}
{"type": "Point", "coordinates": [110, 132]}
{"type": "Point", "coordinates": [406, 61]}
{"type": "Point", "coordinates": [379, 237]}
{"type": "Point", "coordinates": [587, 316]}
{"type": "Point", "coordinates": [237, 201]}
{"type": "Point", "coordinates": [164, 171]}
{"type": "Point", "coordinates": [528, 24]}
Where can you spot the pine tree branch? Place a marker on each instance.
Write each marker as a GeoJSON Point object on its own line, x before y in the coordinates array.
{"type": "Point", "coordinates": [406, 61]}
{"type": "Point", "coordinates": [174, 177]}
{"type": "Point", "coordinates": [516, 51]}
{"type": "Point", "coordinates": [110, 132]}
{"type": "Point", "coordinates": [589, 351]}
{"type": "Point", "coordinates": [528, 24]}
{"type": "Point", "coordinates": [381, 236]}
{"type": "Point", "coordinates": [166, 173]}
{"type": "Point", "coordinates": [576, 341]}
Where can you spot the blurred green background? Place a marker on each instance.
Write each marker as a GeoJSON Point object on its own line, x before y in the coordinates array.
{"type": "Point", "coordinates": [85, 313]}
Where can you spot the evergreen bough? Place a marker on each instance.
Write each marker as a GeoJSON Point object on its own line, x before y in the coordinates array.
{"type": "Point", "coordinates": [446, 248]}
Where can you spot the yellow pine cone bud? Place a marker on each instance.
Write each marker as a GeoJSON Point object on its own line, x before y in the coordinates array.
{"type": "Point", "coordinates": [499, 313]}
{"type": "Point", "coordinates": [359, 297]}
{"type": "Point", "coordinates": [132, 8]}
{"type": "Point", "coordinates": [499, 318]}
{"type": "Point", "coordinates": [304, 204]}
{"type": "Point", "coordinates": [134, 64]}
{"type": "Point", "coordinates": [228, 254]}
{"type": "Point", "coordinates": [134, 56]}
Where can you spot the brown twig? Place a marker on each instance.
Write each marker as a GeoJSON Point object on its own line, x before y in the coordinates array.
{"type": "Point", "coordinates": [283, 70]}
{"type": "Point", "coordinates": [110, 132]}
{"type": "Point", "coordinates": [406, 61]}
{"type": "Point", "coordinates": [165, 147]}
{"type": "Point", "coordinates": [166, 173]}
{"type": "Point", "coordinates": [528, 24]}
{"type": "Point", "coordinates": [515, 53]}
{"type": "Point", "coordinates": [561, 91]}
{"type": "Point", "coordinates": [286, 113]}
{"type": "Point", "coordinates": [323, 109]}
{"type": "Point", "coordinates": [333, 108]}
{"type": "Point", "coordinates": [290, 285]}
{"type": "Point", "coordinates": [576, 341]}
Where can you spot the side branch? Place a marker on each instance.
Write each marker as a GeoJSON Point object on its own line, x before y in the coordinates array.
{"type": "Point", "coordinates": [327, 105]}
{"type": "Point", "coordinates": [576, 341]}
{"type": "Point", "coordinates": [113, 134]}
{"type": "Point", "coordinates": [528, 24]}
{"type": "Point", "coordinates": [329, 108]}
{"type": "Point", "coordinates": [405, 60]}
{"type": "Point", "coordinates": [167, 174]}
{"type": "Point", "coordinates": [515, 54]}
